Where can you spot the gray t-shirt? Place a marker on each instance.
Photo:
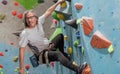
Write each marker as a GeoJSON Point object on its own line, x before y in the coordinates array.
{"type": "Point", "coordinates": [35, 36]}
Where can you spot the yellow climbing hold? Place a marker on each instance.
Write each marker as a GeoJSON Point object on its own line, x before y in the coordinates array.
{"type": "Point", "coordinates": [75, 63]}
{"type": "Point", "coordinates": [60, 16]}
{"type": "Point", "coordinates": [69, 50]}
{"type": "Point", "coordinates": [65, 37]}
{"type": "Point", "coordinates": [110, 49]}
{"type": "Point", "coordinates": [64, 4]}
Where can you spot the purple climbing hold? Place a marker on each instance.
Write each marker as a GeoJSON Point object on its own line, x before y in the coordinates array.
{"type": "Point", "coordinates": [4, 2]}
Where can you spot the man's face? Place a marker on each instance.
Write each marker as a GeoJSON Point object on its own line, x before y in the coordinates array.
{"type": "Point", "coordinates": [31, 19]}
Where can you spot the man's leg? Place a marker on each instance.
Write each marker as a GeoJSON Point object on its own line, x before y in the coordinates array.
{"type": "Point", "coordinates": [58, 42]}
{"type": "Point", "coordinates": [58, 56]}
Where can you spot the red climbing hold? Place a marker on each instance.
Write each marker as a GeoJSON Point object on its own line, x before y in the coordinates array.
{"type": "Point", "coordinates": [87, 25]}
{"type": "Point", "coordinates": [52, 64]}
{"type": "Point", "coordinates": [1, 54]}
{"type": "Point", "coordinates": [14, 12]}
{"type": "Point", "coordinates": [27, 66]}
{"type": "Point", "coordinates": [99, 41]}
{"type": "Point", "coordinates": [1, 66]}
{"type": "Point", "coordinates": [11, 43]}
{"type": "Point", "coordinates": [20, 15]}
{"type": "Point", "coordinates": [15, 3]}
{"type": "Point", "coordinates": [54, 21]}
{"type": "Point", "coordinates": [78, 6]}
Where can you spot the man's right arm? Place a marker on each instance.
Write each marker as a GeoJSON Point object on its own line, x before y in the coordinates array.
{"type": "Point", "coordinates": [21, 60]}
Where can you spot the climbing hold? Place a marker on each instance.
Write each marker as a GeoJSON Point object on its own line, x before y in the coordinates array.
{"type": "Point", "coordinates": [4, 2]}
{"type": "Point", "coordinates": [63, 5]}
{"type": "Point", "coordinates": [54, 15]}
{"type": "Point", "coordinates": [16, 3]}
{"type": "Point", "coordinates": [86, 70]}
{"type": "Point", "coordinates": [1, 72]}
{"type": "Point", "coordinates": [54, 24]}
{"type": "Point", "coordinates": [76, 42]}
{"type": "Point", "coordinates": [20, 15]}
{"type": "Point", "coordinates": [16, 69]}
{"type": "Point", "coordinates": [74, 63]}
{"type": "Point", "coordinates": [11, 43]}
{"type": "Point", "coordinates": [27, 66]}
{"type": "Point", "coordinates": [60, 16]}
{"type": "Point", "coordinates": [1, 54]}
{"type": "Point", "coordinates": [69, 50]}
{"type": "Point", "coordinates": [52, 64]}
{"type": "Point", "coordinates": [64, 10]}
{"type": "Point", "coordinates": [15, 59]}
{"type": "Point", "coordinates": [72, 23]}
{"type": "Point", "coordinates": [87, 25]}
{"type": "Point", "coordinates": [110, 49]}
{"type": "Point", "coordinates": [1, 66]}
{"type": "Point", "coordinates": [2, 16]}
{"type": "Point", "coordinates": [77, 34]}
{"type": "Point", "coordinates": [78, 6]}
{"type": "Point", "coordinates": [80, 46]}
{"type": "Point", "coordinates": [6, 50]}
{"type": "Point", "coordinates": [78, 21]}
{"type": "Point", "coordinates": [99, 41]}
{"type": "Point", "coordinates": [27, 72]}
{"type": "Point", "coordinates": [65, 37]}
{"type": "Point", "coordinates": [17, 33]}
{"type": "Point", "coordinates": [14, 12]}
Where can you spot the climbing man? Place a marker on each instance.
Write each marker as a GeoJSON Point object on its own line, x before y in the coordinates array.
{"type": "Point", "coordinates": [33, 35]}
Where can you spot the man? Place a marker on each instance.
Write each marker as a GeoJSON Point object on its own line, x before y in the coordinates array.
{"type": "Point", "coordinates": [33, 35]}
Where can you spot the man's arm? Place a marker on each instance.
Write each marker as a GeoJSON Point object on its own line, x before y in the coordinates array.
{"type": "Point", "coordinates": [21, 60]}
{"type": "Point", "coordinates": [52, 8]}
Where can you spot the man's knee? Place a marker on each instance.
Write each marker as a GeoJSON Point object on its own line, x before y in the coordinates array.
{"type": "Point", "coordinates": [60, 35]}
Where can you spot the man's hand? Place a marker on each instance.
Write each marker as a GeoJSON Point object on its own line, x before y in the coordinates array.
{"type": "Point", "coordinates": [61, 1]}
{"type": "Point", "coordinates": [21, 71]}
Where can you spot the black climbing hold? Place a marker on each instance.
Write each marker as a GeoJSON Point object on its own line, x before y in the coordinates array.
{"type": "Point", "coordinates": [72, 23]}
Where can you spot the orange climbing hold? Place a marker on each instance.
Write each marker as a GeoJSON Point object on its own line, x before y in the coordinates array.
{"type": "Point", "coordinates": [99, 41]}
{"type": "Point", "coordinates": [87, 25]}
{"type": "Point", "coordinates": [78, 6]}
{"type": "Point", "coordinates": [87, 70]}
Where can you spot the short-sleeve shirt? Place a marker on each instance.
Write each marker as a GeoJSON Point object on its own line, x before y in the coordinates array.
{"type": "Point", "coordinates": [35, 36]}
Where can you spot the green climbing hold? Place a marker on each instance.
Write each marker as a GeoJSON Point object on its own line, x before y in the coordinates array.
{"type": "Point", "coordinates": [110, 49]}
{"type": "Point", "coordinates": [76, 42]}
{"type": "Point", "coordinates": [78, 21]}
{"type": "Point", "coordinates": [1, 72]}
{"type": "Point", "coordinates": [29, 4]}
{"type": "Point", "coordinates": [15, 59]}
{"type": "Point", "coordinates": [54, 15]}
{"type": "Point", "coordinates": [57, 31]}
{"type": "Point", "coordinates": [82, 50]}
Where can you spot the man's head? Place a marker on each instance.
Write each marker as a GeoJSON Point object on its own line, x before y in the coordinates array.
{"type": "Point", "coordinates": [30, 19]}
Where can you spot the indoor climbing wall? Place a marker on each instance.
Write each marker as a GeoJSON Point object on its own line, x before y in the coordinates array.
{"type": "Point", "coordinates": [10, 24]}
{"type": "Point", "coordinates": [93, 34]}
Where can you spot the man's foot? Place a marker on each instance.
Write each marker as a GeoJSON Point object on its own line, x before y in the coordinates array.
{"type": "Point", "coordinates": [81, 68]}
